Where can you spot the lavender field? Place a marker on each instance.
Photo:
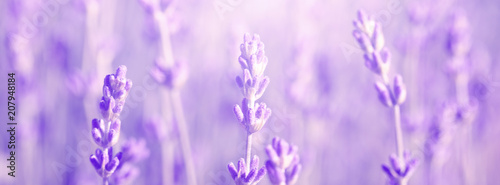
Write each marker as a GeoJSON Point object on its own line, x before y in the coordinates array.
{"type": "Point", "coordinates": [245, 92]}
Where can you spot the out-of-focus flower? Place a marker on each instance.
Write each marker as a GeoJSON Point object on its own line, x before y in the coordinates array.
{"type": "Point", "coordinates": [134, 150]}
{"type": "Point", "coordinates": [400, 168]}
{"type": "Point", "coordinates": [283, 165]}
{"type": "Point", "coordinates": [171, 77]}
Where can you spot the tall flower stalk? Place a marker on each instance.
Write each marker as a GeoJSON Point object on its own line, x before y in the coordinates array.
{"type": "Point", "coordinates": [251, 115]}
{"type": "Point", "coordinates": [106, 131]}
{"type": "Point", "coordinates": [459, 46]}
{"type": "Point", "coordinates": [370, 38]}
{"type": "Point", "coordinates": [172, 75]}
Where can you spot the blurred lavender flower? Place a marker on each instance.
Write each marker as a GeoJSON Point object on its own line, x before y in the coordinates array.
{"type": "Point", "coordinates": [283, 165]}
{"type": "Point", "coordinates": [171, 77]}
{"type": "Point", "coordinates": [240, 175]}
{"type": "Point", "coordinates": [251, 115]}
{"type": "Point", "coordinates": [400, 168]}
{"type": "Point", "coordinates": [106, 132]}
{"type": "Point", "coordinates": [133, 151]}
{"type": "Point", "coordinates": [369, 36]}
{"type": "Point", "coordinates": [126, 174]}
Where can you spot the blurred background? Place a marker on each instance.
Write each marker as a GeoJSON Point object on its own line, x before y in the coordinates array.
{"type": "Point", "coordinates": [321, 94]}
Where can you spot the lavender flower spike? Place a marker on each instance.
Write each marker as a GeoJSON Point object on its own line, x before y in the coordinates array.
{"type": "Point", "coordinates": [370, 38]}
{"type": "Point", "coordinates": [106, 131]}
{"type": "Point", "coordinates": [283, 165]}
{"type": "Point", "coordinates": [253, 116]}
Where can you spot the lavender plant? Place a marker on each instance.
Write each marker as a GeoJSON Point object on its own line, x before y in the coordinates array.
{"type": "Point", "coordinates": [106, 131]}
{"type": "Point", "coordinates": [283, 165]}
{"type": "Point", "coordinates": [251, 115]}
{"type": "Point", "coordinates": [172, 75]}
{"type": "Point", "coordinates": [370, 38]}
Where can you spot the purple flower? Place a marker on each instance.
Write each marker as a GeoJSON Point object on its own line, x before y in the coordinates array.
{"type": "Point", "coordinates": [242, 177]}
{"type": "Point", "coordinates": [134, 150]}
{"type": "Point", "coordinates": [369, 36]}
{"type": "Point", "coordinates": [283, 164]}
{"type": "Point", "coordinates": [400, 168]}
{"type": "Point", "coordinates": [252, 83]}
{"type": "Point", "coordinates": [106, 132]}
{"type": "Point", "coordinates": [171, 77]}
{"type": "Point", "coordinates": [251, 114]}
{"type": "Point", "coordinates": [126, 174]}
{"type": "Point", "coordinates": [114, 92]}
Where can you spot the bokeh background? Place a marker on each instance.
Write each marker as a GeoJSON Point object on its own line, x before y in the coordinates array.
{"type": "Point", "coordinates": [321, 94]}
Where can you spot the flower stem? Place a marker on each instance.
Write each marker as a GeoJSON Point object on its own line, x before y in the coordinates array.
{"type": "Point", "coordinates": [105, 181]}
{"type": "Point", "coordinates": [183, 137]}
{"type": "Point", "coordinates": [249, 151]}
{"type": "Point", "coordinates": [399, 134]}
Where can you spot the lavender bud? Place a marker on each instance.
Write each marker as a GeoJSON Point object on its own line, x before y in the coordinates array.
{"type": "Point", "coordinates": [241, 167]}
{"type": "Point", "coordinates": [121, 71]}
{"type": "Point", "coordinates": [254, 164]}
{"type": "Point", "coordinates": [128, 85]}
{"type": "Point", "coordinates": [114, 132]}
{"type": "Point", "coordinates": [97, 136]}
{"type": "Point", "coordinates": [239, 82]}
{"type": "Point", "coordinates": [95, 162]}
{"type": "Point", "coordinates": [262, 87]}
{"type": "Point", "coordinates": [293, 176]}
{"type": "Point", "coordinates": [107, 82]}
{"type": "Point", "coordinates": [363, 41]}
{"type": "Point", "coordinates": [238, 113]}
{"type": "Point", "coordinates": [232, 170]}
{"type": "Point", "coordinates": [248, 78]}
{"type": "Point", "coordinates": [397, 164]}
{"type": "Point", "coordinates": [243, 63]}
{"type": "Point", "coordinates": [118, 107]}
{"type": "Point", "coordinates": [260, 174]}
{"type": "Point", "coordinates": [106, 92]}
{"type": "Point", "coordinates": [112, 81]}
{"type": "Point", "coordinates": [383, 94]}
{"type": "Point", "coordinates": [399, 90]}
{"type": "Point", "coordinates": [112, 165]}
{"type": "Point", "coordinates": [271, 153]}
{"type": "Point", "coordinates": [371, 64]}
